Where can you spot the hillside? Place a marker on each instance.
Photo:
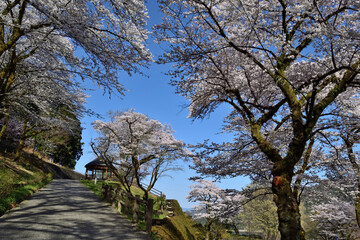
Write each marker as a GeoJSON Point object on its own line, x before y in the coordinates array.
{"type": "Point", "coordinates": [180, 226]}
{"type": "Point", "coordinates": [21, 179]}
{"type": "Point", "coordinates": [183, 227]}
{"type": "Point", "coordinates": [42, 163]}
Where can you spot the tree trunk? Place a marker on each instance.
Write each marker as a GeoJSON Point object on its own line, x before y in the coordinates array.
{"type": "Point", "coordinates": [4, 126]}
{"type": "Point", "coordinates": [22, 141]}
{"type": "Point", "coordinates": [146, 193]}
{"type": "Point", "coordinates": [235, 229]}
{"type": "Point", "coordinates": [208, 228]}
{"type": "Point", "coordinates": [287, 209]}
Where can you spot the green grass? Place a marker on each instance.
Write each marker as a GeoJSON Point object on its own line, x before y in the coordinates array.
{"type": "Point", "coordinates": [134, 190]}
{"type": "Point", "coordinates": [19, 194]}
{"type": "Point", "coordinates": [96, 188]}
{"type": "Point", "coordinates": [180, 226]}
{"type": "Point", "coordinates": [17, 183]}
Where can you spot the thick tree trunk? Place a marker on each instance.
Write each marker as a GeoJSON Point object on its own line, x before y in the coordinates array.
{"type": "Point", "coordinates": [287, 209]}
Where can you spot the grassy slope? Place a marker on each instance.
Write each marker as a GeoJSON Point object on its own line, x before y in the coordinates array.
{"type": "Point", "coordinates": [58, 172]}
{"type": "Point", "coordinates": [183, 227]}
{"type": "Point", "coordinates": [18, 181]}
{"type": "Point", "coordinates": [97, 188]}
{"type": "Point", "coordinates": [180, 226]}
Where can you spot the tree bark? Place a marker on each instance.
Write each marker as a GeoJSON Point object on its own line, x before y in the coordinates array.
{"type": "Point", "coordinates": [208, 228]}
{"type": "Point", "coordinates": [4, 126]}
{"type": "Point", "coordinates": [287, 209]}
{"type": "Point", "coordinates": [235, 229]}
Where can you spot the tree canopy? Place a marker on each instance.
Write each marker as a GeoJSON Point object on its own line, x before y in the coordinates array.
{"type": "Point", "coordinates": [59, 44]}
{"type": "Point", "coordinates": [40, 38]}
{"type": "Point", "coordinates": [49, 48]}
{"type": "Point", "coordinates": [135, 147]}
{"type": "Point", "coordinates": [288, 69]}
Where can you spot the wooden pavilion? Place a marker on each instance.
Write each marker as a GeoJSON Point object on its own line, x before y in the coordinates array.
{"type": "Point", "coordinates": [97, 169]}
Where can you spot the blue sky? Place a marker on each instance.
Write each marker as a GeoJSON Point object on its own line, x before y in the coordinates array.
{"type": "Point", "coordinates": [154, 97]}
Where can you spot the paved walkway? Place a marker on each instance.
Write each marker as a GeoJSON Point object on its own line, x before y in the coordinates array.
{"type": "Point", "coordinates": [65, 209]}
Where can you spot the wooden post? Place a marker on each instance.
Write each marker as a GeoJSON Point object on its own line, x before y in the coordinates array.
{"type": "Point", "coordinates": [114, 195]}
{"type": "Point", "coordinates": [136, 208]}
{"type": "Point", "coordinates": [109, 194]}
{"type": "Point", "coordinates": [149, 213]}
{"type": "Point", "coordinates": [103, 190]}
{"type": "Point", "coordinates": [127, 203]}
{"type": "Point", "coordinates": [106, 191]}
{"type": "Point", "coordinates": [121, 191]}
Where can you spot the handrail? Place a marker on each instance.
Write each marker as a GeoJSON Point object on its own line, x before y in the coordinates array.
{"type": "Point", "coordinates": [153, 191]}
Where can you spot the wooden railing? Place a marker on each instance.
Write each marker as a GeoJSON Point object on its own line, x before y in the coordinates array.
{"type": "Point", "coordinates": [132, 206]}
{"type": "Point", "coordinates": [153, 191]}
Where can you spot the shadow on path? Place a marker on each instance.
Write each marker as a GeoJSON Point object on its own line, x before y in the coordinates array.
{"type": "Point", "coordinates": [65, 209]}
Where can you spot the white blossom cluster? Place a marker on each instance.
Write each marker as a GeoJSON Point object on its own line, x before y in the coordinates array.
{"type": "Point", "coordinates": [213, 202]}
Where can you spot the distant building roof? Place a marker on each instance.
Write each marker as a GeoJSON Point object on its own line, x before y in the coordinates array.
{"type": "Point", "coordinates": [96, 162]}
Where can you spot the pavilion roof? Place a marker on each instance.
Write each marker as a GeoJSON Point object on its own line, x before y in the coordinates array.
{"type": "Point", "coordinates": [96, 162]}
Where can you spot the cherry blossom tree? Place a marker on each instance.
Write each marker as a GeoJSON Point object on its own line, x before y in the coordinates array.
{"type": "Point", "coordinates": [69, 41]}
{"type": "Point", "coordinates": [135, 147]}
{"type": "Point", "coordinates": [335, 219]}
{"type": "Point", "coordinates": [40, 97]}
{"type": "Point", "coordinates": [11, 136]}
{"type": "Point", "coordinates": [281, 66]}
{"type": "Point", "coordinates": [62, 146]}
{"type": "Point", "coordinates": [41, 104]}
{"type": "Point", "coordinates": [214, 203]}
{"type": "Point", "coordinates": [340, 161]}
{"type": "Point", "coordinates": [45, 108]}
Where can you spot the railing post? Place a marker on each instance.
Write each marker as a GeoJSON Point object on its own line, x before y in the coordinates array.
{"type": "Point", "coordinates": [106, 192]}
{"type": "Point", "coordinates": [136, 208]}
{"type": "Point", "coordinates": [114, 195]}
{"type": "Point", "coordinates": [103, 190]}
{"type": "Point", "coordinates": [149, 213]}
{"type": "Point", "coordinates": [127, 203]}
{"type": "Point", "coordinates": [121, 191]}
{"type": "Point", "coordinates": [109, 194]}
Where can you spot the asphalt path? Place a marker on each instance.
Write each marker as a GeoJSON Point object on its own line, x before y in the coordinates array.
{"type": "Point", "coordinates": [66, 209]}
